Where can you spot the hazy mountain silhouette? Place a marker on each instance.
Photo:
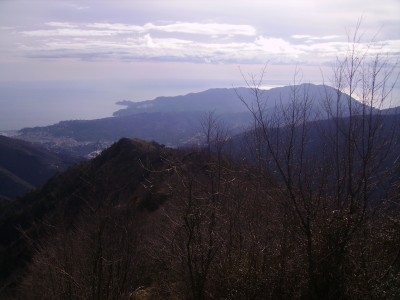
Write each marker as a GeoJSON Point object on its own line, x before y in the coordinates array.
{"type": "Point", "coordinates": [391, 111]}
{"type": "Point", "coordinates": [226, 100]}
{"type": "Point", "coordinates": [175, 121]}
{"type": "Point", "coordinates": [223, 100]}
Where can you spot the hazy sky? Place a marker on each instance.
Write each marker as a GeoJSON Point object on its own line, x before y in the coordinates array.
{"type": "Point", "coordinates": [183, 42]}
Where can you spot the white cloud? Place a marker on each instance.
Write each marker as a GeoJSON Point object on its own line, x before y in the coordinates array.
{"type": "Point", "coordinates": [68, 32]}
{"type": "Point", "coordinates": [118, 27]}
{"type": "Point", "coordinates": [61, 24]}
{"type": "Point", "coordinates": [148, 47]}
{"type": "Point", "coordinates": [310, 37]}
{"type": "Point", "coordinates": [277, 46]}
{"type": "Point", "coordinates": [210, 29]}
{"type": "Point", "coordinates": [199, 42]}
{"type": "Point", "coordinates": [76, 6]}
{"type": "Point", "coordinates": [213, 29]}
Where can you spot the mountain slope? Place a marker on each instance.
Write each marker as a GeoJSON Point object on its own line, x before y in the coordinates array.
{"type": "Point", "coordinates": [391, 111]}
{"type": "Point", "coordinates": [11, 185]}
{"type": "Point", "coordinates": [175, 121]}
{"type": "Point", "coordinates": [24, 166]}
{"type": "Point", "coordinates": [169, 128]}
{"type": "Point", "coordinates": [145, 221]}
{"type": "Point", "coordinates": [222, 100]}
{"type": "Point", "coordinates": [226, 101]}
{"type": "Point", "coordinates": [114, 176]}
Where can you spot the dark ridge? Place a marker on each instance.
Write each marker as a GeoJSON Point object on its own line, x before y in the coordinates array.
{"type": "Point", "coordinates": [24, 166]}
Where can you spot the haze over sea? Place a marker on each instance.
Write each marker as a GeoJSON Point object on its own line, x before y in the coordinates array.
{"type": "Point", "coordinates": [40, 103]}
{"type": "Point", "coordinates": [62, 60]}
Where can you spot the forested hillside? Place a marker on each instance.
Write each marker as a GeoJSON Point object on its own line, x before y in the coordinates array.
{"type": "Point", "coordinates": [24, 166]}
{"type": "Point", "coordinates": [142, 220]}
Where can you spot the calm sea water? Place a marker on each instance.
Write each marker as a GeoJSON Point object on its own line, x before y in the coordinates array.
{"type": "Point", "coordinates": [30, 104]}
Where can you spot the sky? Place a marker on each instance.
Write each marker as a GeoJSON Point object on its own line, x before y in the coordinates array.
{"type": "Point", "coordinates": [75, 59]}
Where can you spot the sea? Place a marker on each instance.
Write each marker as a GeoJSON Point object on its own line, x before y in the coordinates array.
{"type": "Point", "coordinates": [42, 103]}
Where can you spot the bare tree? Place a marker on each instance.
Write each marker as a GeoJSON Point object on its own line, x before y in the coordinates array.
{"type": "Point", "coordinates": [215, 132]}
{"type": "Point", "coordinates": [100, 258]}
{"type": "Point", "coordinates": [328, 185]}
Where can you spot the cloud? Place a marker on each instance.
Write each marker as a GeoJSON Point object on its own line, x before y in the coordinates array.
{"type": "Point", "coordinates": [310, 37]}
{"type": "Point", "coordinates": [191, 42]}
{"type": "Point", "coordinates": [61, 24]}
{"type": "Point", "coordinates": [213, 29]}
{"type": "Point", "coordinates": [277, 46]}
{"type": "Point", "coordinates": [76, 6]}
{"type": "Point", "coordinates": [118, 27]}
{"type": "Point", "coordinates": [6, 28]}
{"type": "Point", "coordinates": [68, 32]}
{"type": "Point", "coordinates": [210, 29]}
{"type": "Point", "coordinates": [168, 49]}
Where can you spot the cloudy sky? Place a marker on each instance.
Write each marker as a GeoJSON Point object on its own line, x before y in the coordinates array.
{"type": "Point", "coordinates": [166, 47]}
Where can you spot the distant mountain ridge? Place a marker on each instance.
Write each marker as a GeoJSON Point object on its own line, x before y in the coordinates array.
{"type": "Point", "coordinates": [175, 121]}
{"type": "Point", "coordinates": [226, 100]}
{"type": "Point", "coordinates": [391, 110]}
{"type": "Point", "coordinates": [219, 99]}
{"type": "Point", "coordinates": [169, 128]}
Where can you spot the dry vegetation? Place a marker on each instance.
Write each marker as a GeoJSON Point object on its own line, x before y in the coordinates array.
{"type": "Point", "coordinates": [311, 213]}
